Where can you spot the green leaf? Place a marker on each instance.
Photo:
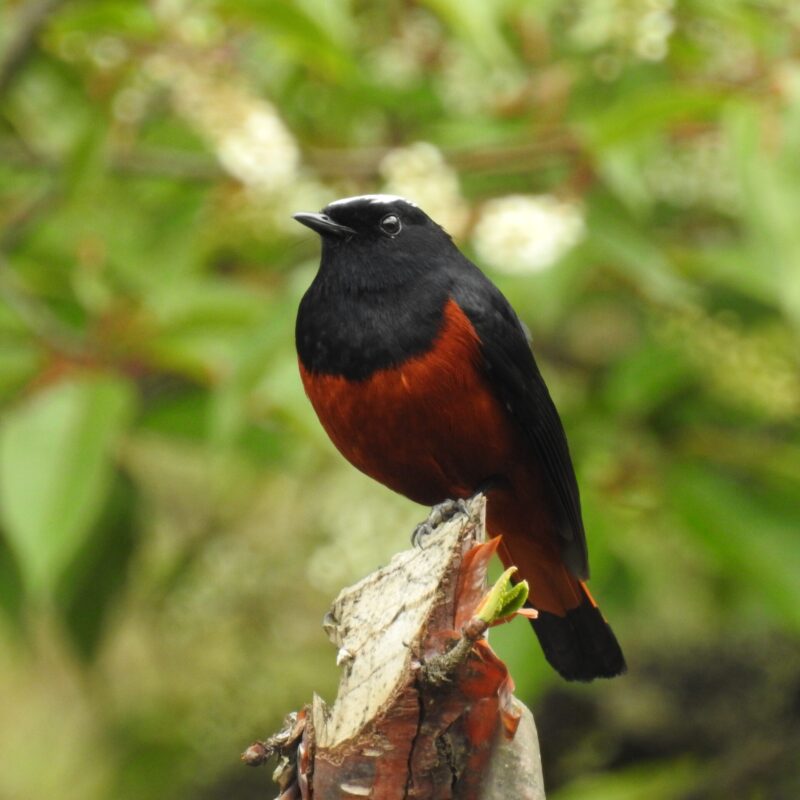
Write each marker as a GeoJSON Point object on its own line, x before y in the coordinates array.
{"type": "Point", "coordinates": [769, 182]}
{"type": "Point", "coordinates": [19, 361]}
{"type": "Point", "coordinates": [646, 379]}
{"type": "Point", "coordinates": [503, 599]}
{"type": "Point", "coordinates": [317, 34]}
{"type": "Point", "coordinates": [203, 325]}
{"type": "Point", "coordinates": [750, 543]}
{"type": "Point", "coordinates": [11, 589]}
{"type": "Point", "coordinates": [622, 170]}
{"type": "Point", "coordinates": [633, 252]}
{"type": "Point", "coordinates": [55, 466]}
{"type": "Point", "coordinates": [653, 780]}
{"type": "Point", "coordinates": [646, 111]}
{"type": "Point", "coordinates": [478, 23]}
{"type": "Point", "coordinates": [88, 587]}
{"type": "Point", "coordinates": [513, 600]}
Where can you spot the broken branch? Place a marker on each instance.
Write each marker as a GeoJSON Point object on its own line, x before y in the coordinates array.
{"type": "Point", "coordinates": [425, 708]}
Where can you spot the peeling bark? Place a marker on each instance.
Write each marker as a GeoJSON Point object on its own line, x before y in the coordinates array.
{"type": "Point", "coordinates": [400, 727]}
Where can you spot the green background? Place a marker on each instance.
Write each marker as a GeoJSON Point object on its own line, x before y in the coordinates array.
{"type": "Point", "coordinates": [173, 520]}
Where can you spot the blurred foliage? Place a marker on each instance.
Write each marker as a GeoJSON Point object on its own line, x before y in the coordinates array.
{"type": "Point", "coordinates": [174, 521]}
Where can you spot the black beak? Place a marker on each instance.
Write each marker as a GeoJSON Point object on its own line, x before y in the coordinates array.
{"type": "Point", "coordinates": [323, 225]}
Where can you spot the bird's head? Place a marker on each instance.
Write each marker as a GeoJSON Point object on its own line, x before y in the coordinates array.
{"type": "Point", "coordinates": [377, 239]}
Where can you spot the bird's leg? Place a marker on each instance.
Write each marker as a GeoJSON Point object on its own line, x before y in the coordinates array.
{"type": "Point", "coordinates": [440, 513]}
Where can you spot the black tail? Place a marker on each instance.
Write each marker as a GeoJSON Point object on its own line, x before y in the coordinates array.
{"type": "Point", "coordinates": [580, 645]}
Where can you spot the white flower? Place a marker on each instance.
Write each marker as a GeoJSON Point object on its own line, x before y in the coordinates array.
{"type": "Point", "coordinates": [643, 28]}
{"type": "Point", "coordinates": [420, 173]}
{"type": "Point", "coordinates": [250, 140]}
{"type": "Point", "coordinates": [526, 233]}
{"type": "Point", "coordinates": [259, 150]}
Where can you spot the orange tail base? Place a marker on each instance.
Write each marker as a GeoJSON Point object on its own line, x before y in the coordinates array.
{"type": "Point", "coordinates": [577, 641]}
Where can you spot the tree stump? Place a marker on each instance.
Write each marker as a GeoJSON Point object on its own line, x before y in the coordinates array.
{"type": "Point", "coordinates": [425, 708]}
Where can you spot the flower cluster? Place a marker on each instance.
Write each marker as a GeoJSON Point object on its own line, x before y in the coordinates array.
{"type": "Point", "coordinates": [249, 138]}
{"type": "Point", "coordinates": [526, 233]}
{"type": "Point", "coordinates": [640, 28]}
{"type": "Point", "coordinates": [697, 172]}
{"type": "Point", "coordinates": [420, 173]}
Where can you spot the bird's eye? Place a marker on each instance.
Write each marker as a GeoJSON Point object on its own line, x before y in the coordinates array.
{"type": "Point", "coordinates": [391, 225]}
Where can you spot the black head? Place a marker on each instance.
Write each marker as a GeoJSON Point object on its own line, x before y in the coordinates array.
{"type": "Point", "coordinates": [377, 240]}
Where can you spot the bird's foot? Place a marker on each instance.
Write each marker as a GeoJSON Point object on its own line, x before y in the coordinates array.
{"type": "Point", "coordinates": [441, 513]}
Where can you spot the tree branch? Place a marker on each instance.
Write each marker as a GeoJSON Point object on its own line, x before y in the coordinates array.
{"type": "Point", "coordinates": [330, 164]}
{"type": "Point", "coordinates": [398, 729]}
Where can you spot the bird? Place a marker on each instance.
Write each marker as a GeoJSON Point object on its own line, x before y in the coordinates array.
{"type": "Point", "coordinates": [423, 377]}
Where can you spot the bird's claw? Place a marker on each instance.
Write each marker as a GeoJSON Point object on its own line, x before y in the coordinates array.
{"type": "Point", "coordinates": [440, 513]}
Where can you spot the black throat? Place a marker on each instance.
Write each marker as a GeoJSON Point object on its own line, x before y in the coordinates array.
{"type": "Point", "coordinates": [355, 333]}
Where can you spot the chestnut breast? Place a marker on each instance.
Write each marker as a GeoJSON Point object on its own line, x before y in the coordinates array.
{"type": "Point", "coordinates": [430, 428]}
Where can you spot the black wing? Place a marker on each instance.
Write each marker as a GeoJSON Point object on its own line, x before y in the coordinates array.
{"type": "Point", "coordinates": [512, 372]}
